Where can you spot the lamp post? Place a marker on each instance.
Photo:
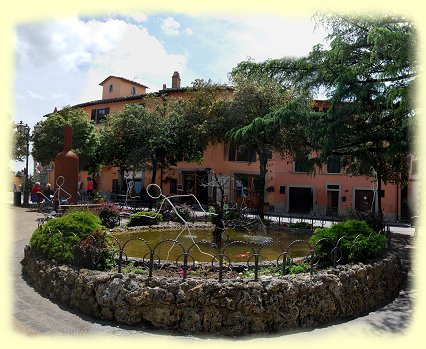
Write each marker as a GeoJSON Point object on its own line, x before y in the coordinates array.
{"type": "Point", "coordinates": [24, 129]}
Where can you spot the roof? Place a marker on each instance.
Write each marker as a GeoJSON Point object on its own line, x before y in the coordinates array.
{"type": "Point", "coordinates": [121, 78]}
{"type": "Point", "coordinates": [130, 98]}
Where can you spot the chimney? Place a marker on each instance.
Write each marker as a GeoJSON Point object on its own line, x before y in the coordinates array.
{"type": "Point", "coordinates": [175, 80]}
{"type": "Point", "coordinates": [164, 86]}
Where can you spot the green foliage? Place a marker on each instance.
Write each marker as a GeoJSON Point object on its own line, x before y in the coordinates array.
{"type": "Point", "coordinates": [95, 252]}
{"type": "Point", "coordinates": [184, 210]}
{"type": "Point", "coordinates": [374, 220]}
{"type": "Point", "coordinates": [369, 71]}
{"type": "Point", "coordinates": [229, 213]}
{"type": "Point", "coordinates": [298, 267]}
{"type": "Point", "coordinates": [50, 140]}
{"type": "Point", "coordinates": [132, 268]}
{"type": "Point", "coordinates": [109, 213]}
{"type": "Point", "coordinates": [143, 218]}
{"type": "Point", "coordinates": [152, 137]}
{"type": "Point", "coordinates": [19, 144]}
{"type": "Point", "coordinates": [360, 242]}
{"type": "Point", "coordinates": [56, 237]}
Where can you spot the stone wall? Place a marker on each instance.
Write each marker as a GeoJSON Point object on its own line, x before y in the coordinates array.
{"type": "Point", "coordinates": [231, 307]}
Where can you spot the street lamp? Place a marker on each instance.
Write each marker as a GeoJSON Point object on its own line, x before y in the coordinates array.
{"type": "Point", "coordinates": [24, 129]}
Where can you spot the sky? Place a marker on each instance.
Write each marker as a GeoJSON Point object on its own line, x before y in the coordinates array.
{"type": "Point", "coordinates": [61, 62]}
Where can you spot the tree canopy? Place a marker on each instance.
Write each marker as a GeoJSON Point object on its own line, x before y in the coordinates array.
{"type": "Point", "coordinates": [49, 141]}
{"type": "Point", "coordinates": [19, 144]}
{"type": "Point", "coordinates": [153, 137]}
{"type": "Point", "coordinates": [368, 72]}
{"type": "Point", "coordinates": [250, 117]}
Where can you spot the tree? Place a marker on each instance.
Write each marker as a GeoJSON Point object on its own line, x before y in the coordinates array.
{"type": "Point", "coordinates": [369, 73]}
{"type": "Point", "coordinates": [49, 141]}
{"type": "Point", "coordinates": [249, 117]}
{"type": "Point", "coordinates": [19, 144]}
{"type": "Point", "coordinates": [153, 137]}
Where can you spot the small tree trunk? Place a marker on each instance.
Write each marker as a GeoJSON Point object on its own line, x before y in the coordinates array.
{"type": "Point", "coordinates": [263, 160]}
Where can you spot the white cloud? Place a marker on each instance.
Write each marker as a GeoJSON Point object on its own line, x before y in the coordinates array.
{"type": "Point", "coordinates": [138, 16]}
{"type": "Point", "coordinates": [264, 37]}
{"type": "Point", "coordinates": [171, 26]}
{"type": "Point", "coordinates": [71, 43]}
{"type": "Point", "coordinates": [137, 56]}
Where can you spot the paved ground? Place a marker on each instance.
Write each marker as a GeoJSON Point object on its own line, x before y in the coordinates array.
{"type": "Point", "coordinates": [34, 315]}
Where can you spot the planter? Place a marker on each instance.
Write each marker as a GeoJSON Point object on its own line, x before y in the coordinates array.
{"type": "Point", "coordinates": [231, 307]}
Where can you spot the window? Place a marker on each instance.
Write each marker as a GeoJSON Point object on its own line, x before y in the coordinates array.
{"type": "Point", "coordinates": [333, 165]}
{"type": "Point", "coordinates": [99, 115]}
{"type": "Point", "coordinates": [302, 165]}
{"type": "Point", "coordinates": [133, 90]}
{"type": "Point", "coordinates": [238, 153]}
{"type": "Point", "coordinates": [110, 88]}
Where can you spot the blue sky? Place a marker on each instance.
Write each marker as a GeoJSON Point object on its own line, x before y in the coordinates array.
{"type": "Point", "coordinates": [62, 62]}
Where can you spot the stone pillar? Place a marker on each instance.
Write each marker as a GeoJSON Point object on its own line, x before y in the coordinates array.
{"type": "Point", "coordinates": [67, 166]}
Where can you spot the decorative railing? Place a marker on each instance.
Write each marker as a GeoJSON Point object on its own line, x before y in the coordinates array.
{"type": "Point", "coordinates": [93, 250]}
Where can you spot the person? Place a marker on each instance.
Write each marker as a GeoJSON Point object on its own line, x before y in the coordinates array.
{"type": "Point", "coordinates": [36, 191]}
{"type": "Point", "coordinates": [89, 187]}
{"type": "Point", "coordinates": [48, 194]}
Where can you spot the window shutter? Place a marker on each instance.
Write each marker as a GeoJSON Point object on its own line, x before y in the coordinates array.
{"type": "Point", "coordinates": [93, 117]}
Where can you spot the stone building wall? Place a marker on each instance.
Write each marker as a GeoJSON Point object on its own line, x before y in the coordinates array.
{"type": "Point", "coordinates": [231, 307]}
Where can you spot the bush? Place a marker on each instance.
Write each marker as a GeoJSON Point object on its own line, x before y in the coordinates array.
{"type": "Point", "coordinates": [109, 214]}
{"type": "Point", "coordinates": [361, 242]}
{"type": "Point", "coordinates": [185, 211]}
{"type": "Point", "coordinates": [56, 237]}
{"type": "Point", "coordinates": [144, 218]}
{"type": "Point", "coordinates": [374, 220]}
{"type": "Point", "coordinates": [229, 213]}
{"type": "Point", "coordinates": [95, 252]}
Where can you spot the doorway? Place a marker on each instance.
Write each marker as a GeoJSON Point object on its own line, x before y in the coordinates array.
{"type": "Point", "coordinates": [300, 200]}
{"type": "Point", "coordinates": [364, 200]}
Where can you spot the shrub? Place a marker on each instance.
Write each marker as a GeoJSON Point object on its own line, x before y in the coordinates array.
{"type": "Point", "coordinates": [95, 252]}
{"type": "Point", "coordinates": [229, 213]}
{"type": "Point", "coordinates": [109, 213]}
{"type": "Point", "coordinates": [144, 218]}
{"type": "Point", "coordinates": [185, 211]}
{"type": "Point", "coordinates": [56, 237]}
{"type": "Point", "coordinates": [361, 242]}
{"type": "Point", "coordinates": [373, 219]}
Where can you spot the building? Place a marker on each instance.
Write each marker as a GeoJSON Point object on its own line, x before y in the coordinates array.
{"type": "Point", "coordinates": [289, 188]}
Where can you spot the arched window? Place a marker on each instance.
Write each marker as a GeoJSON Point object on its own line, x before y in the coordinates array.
{"type": "Point", "coordinates": [110, 88]}
{"type": "Point", "coordinates": [133, 90]}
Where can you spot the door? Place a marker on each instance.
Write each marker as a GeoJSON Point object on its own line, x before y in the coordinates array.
{"type": "Point", "coordinates": [364, 200]}
{"type": "Point", "coordinates": [300, 200]}
{"type": "Point", "coordinates": [332, 202]}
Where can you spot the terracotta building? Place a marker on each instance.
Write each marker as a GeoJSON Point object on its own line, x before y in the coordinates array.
{"type": "Point", "coordinates": [289, 189]}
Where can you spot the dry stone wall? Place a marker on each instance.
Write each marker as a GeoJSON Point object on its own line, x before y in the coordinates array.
{"type": "Point", "coordinates": [230, 307]}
